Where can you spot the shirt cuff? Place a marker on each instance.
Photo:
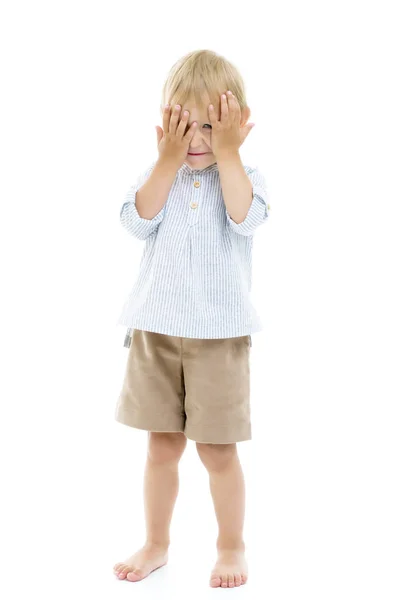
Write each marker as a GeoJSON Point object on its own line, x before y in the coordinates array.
{"type": "Point", "coordinates": [136, 225]}
{"type": "Point", "coordinates": [256, 215]}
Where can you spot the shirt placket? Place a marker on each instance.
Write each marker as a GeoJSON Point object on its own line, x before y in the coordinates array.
{"type": "Point", "coordinates": [194, 200]}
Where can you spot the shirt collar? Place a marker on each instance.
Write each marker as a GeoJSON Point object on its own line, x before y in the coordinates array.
{"type": "Point", "coordinates": [186, 169]}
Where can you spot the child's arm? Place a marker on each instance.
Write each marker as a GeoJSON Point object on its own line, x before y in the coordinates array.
{"type": "Point", "coordinates": [245, 194]}
{"type": "Point", "coordinates": [173, 143]}
{"type": "Point", "coordinates": [236, 186]}
{"type": "Point", "coordinates": [144, 206]}
{"type": "Point", "coordinates": [152, 196]}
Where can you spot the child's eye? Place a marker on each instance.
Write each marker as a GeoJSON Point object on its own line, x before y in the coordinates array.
{"type": "Point", "coordinates": [205, 125]}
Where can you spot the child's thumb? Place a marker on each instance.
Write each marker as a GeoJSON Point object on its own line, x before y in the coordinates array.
{"type": "Point", "coordinates": [159, 134]}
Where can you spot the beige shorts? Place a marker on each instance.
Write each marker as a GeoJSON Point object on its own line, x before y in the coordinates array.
{"type": "Point", "coordinates": [200, 387]}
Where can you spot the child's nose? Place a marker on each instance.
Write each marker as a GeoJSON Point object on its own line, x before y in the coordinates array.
{"type": "Point", "coordinates": [197, 138]}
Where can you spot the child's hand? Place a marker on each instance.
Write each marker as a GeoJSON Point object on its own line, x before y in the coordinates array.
{"type": "Point", "coordinates": [173, 143]}
{"type": "Point", "coordinates": [227, 134]}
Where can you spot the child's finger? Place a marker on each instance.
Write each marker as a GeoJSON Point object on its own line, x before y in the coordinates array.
{"type": "Point", "coordinates": [188, 137]}
{"type": "Point", "coordinates": [174, 119]}
{"type": "Point", "coordinates": [160, 134]}
{"type": "Point", "coordinates": [213, 116]}
{"type": "Point", "coordinates": [234, 108]}
{"type": "Point", "coordinates": [224, 108]}
{"type": "Point", "coordinates": [166, 118]}
{"type": "Point", "coordinates": [180, 132]}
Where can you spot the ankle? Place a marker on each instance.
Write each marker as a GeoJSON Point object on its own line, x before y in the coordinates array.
{"type": "Point", "coordinates": [230, 545]}
{"type": "Point", "coordinates": [157, 545]}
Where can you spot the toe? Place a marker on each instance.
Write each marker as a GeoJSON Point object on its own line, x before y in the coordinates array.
{"type": "Point", "coordinates": [244, 578]}
{"type": "Point", "coordinates": [238, 579]}
{"type": "Point", "coordinates": [231, 581]}
{"type": "Point", "coordinates": [215, 581]}
{"type": "Point", "coordinates": [122, 573]}
{"type": "Point", "coordinates": [224, 579]}
{"type": "Point", "coordinates": [135, 575]}
{"type": "Point", "coordinates": [118, 568]}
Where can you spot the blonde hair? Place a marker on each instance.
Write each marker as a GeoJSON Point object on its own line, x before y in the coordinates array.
{"type": "Point", "coordinates": [200, 72]}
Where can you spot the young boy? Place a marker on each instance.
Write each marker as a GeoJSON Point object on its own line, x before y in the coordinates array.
{"type": "Point", "coordinates": [189, 315]}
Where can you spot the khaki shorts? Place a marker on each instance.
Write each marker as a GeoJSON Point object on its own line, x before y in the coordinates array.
{"type": "Point", "coordinates": [200, 387]}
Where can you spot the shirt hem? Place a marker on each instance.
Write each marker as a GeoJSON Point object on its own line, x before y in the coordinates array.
{"type": "Point", "coordinates": [231, 333]}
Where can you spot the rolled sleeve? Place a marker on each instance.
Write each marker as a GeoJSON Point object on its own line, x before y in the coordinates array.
{"type": "Point", "coordinates": [129, 217]}
{"type": "Point", "coordinates": [259, 207]}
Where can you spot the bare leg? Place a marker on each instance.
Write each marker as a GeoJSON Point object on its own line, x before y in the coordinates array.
{"type": "Point", "coordinates": [228, 493]}
{"type": "Point", "coordinates": [161, 484]}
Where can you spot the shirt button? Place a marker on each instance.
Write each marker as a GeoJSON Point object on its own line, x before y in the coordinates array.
{"type": "Point", "coordinates": [196, 184]}
{"type": "Point", "coordinates": [194, 205]}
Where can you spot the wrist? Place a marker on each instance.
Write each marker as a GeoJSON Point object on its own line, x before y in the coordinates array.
{"type": "Point", "coordinates": [227, 155]}
{"type": "Point", "coordinates": [167, 165]}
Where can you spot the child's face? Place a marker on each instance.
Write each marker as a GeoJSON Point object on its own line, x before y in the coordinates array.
{"type": "Point", "coordinates": [200, 154]}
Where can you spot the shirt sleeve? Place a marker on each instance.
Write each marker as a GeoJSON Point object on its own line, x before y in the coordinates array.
{"type": "Point", "coordinates": [129, 217]}
{"type": "Point", "coordinates": [259, 207]}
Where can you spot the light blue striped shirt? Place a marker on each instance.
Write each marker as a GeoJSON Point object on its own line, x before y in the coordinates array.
{"type": "Point", "coordinates": [195, 273]}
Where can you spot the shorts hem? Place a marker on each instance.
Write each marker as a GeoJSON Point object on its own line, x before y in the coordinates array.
{"type": "Point", "coordinates": [234, 440]}
{"type": "Point", "coordinates": [128, 418]}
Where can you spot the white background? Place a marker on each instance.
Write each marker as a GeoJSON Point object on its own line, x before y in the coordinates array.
{"type": "Point", "coordinates": [81, 85]}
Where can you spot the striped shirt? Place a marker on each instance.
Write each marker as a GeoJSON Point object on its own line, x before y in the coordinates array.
{"type": "Point", "coordinates": [195, 273]}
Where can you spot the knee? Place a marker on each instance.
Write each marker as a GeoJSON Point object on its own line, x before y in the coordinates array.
{"type": "Point", "coordinates": [164, 448]}
{"type": "Point", "coordinates": [216, 457]}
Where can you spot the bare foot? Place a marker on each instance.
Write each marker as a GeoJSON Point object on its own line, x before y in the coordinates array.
{"type": "Point", "coordinates": [141, 564]}
{"type": "Point", "coordinates": [230, 569]}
